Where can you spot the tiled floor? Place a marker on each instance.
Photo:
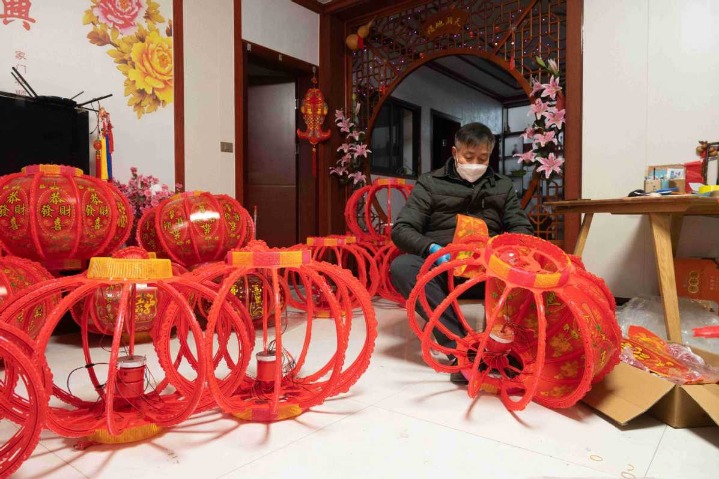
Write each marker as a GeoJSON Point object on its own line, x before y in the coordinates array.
{"type": "Point", "coordinates": [400, 420]}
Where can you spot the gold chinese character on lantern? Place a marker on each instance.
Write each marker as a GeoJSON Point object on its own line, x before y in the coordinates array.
{"type": "Point", "coordinates": [46, 210]}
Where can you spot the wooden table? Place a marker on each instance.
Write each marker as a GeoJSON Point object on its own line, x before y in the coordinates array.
{"type": "Point", "coordinates": [666, 214]}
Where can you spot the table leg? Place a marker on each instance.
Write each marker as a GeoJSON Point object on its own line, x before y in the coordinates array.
{"type": "Point", "coordinates": [661, 231]}
{"type": "Point", "coordinates": [676, 229]}
{"type": "Point", "coordinates": [583, 233]}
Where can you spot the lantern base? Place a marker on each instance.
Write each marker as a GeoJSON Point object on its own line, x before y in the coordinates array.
{"type": "Point", "coordinates": [141, 337]}
{"type": "Point", "coordinates": [133, 434]}
{"type": "Point", "coordinates": [263, 414]}
{"type": "Point", "coordinates": [325, 314]}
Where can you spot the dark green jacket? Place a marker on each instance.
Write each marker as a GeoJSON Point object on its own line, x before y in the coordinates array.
{"type": "Point", "coordinates": [430, 214]}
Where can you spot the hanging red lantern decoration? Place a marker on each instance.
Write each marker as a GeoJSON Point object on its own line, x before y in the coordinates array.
{"type": "Point", "coordinates": [550, 330]}
{"type": "Point", "coordinates": [195, 227]}
{"type": "Point", "coordinates": [314, 110]}
{"type": "Point", "coordinates": [55, 214]}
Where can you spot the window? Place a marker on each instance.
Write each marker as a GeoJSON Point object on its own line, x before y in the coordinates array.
{"type": "Point", "coordinates": [396, 140]}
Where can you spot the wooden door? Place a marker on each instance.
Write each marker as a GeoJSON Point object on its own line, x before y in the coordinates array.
{"type": "Point", "coordinates": [443, 129]}
{"type": "Point", "coordinates": [272, 162]}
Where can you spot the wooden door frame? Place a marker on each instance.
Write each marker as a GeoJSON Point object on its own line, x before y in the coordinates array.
{"type": "Point", "coordinates": [302, 71]}
{"type": "Point", "coordinates": [179, 89]}
{"type": "Point", "coordinates": [334, 26]}
{"type": "Point", "coordinates": [444, 116]}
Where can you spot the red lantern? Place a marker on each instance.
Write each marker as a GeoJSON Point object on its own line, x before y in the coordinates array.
{"type": "Point", "coordinates": [314, 110]}
{"type": "Point", "coordinates": [195, 227]}
{"type": "Point", "coordinates": [253, 290]}
{"type": "Point", "coordinates": [16, 275]}
{"type": "Point", "coordinates": [129, 402]}
{"type": "Point", "coordinates": [103, 306]}
{"type": "Point", "coordinates": [550, 326]}
{"type": "Point", "coordinates": [146, 235]}
{"type": "Point", "coordinates": [23, 399]}
{"type": "Point", "coordinates": [369, 217]}
{"type": "Point", "coordinates": [290, 376]}
{"type": "Point", "coordinates": [55, 214]}
{"type": "Point", "coordinates": [344, 252]}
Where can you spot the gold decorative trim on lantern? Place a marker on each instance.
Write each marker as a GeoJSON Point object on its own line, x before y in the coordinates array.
{"type": "Point", "coordinates": [132, 434]}
{"type": "Point", "coordinates": [129, 269]}
{"type": "Point", "coordinates": [52, 169]}
{"type": "Point", "coordinates": [269, 258]}
{"type": "Point", "coordinates": [330, 240]}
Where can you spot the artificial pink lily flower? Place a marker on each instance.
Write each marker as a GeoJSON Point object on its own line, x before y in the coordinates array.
{"type": "Point", "coordinates": [538, 107]}
{"type": "Point", "coordinates": [357, 176]}
{"type": "Point", "coordinates": [344, 148]}
{"type": "Point", "coordinates": [544, 138]}
{"type": "Point", "coordinates": [345, 125]}
{"type": "Point", "coordinates": [555, 118]}
{"type": "Point", "coordinates": [361, 150]}
{"type": "Point", "coordinates": [552, 65]}
{"type": "Point", "coordinates": [550, 165]}
{"type": "Point", "coordinates": [537, 87]}
{"type": "Point", "coordinates": [527, 157]}
{"type": "Point", "coordinates": [552, 88]}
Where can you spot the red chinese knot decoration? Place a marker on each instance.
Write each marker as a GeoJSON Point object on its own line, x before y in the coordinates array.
{"type": "Point", "coordinates": [314, 110]}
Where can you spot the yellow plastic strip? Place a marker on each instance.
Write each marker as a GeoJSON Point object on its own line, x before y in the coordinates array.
{"type": "Point", "coordinates": [129, 269]}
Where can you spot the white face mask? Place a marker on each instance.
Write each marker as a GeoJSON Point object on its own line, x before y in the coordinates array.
{"type": "Point", "coordinates": [471, 172]}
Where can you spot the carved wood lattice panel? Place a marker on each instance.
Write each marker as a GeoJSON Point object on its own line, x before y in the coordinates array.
{"type": "Point", "coordinates": [514, 32]}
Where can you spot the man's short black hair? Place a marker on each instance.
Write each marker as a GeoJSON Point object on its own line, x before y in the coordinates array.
{"type": "Point", "coordinates": [473, 134]}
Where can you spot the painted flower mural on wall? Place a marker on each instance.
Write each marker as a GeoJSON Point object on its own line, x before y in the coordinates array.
{"type": "Point", "coordinates": [120, 14]}
{"type": "Point", "coordinates": [140, 49]}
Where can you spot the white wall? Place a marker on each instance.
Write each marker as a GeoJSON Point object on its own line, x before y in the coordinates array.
{"type": "Point", "coordinates": [60, 61]}
{"type": "Point", "coordinates": [650, 92]}
{"type": "Point", "coordinates": [432, 90]}
{"type": "Point", "coordinates": [283, 26]}
{"type": "Point", "coordinates": [209, 96]}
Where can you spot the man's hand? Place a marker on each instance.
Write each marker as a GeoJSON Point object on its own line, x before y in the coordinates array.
{"type": "Point", "coordinates": [434, 247]}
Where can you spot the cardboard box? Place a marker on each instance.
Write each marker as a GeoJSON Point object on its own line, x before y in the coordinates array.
{"type": "Point", "coordinates": [669, 176]}
{"type": "Point", "coordinates": [627, 392]}
{"type": "Point", "coordinates": [697, 278]}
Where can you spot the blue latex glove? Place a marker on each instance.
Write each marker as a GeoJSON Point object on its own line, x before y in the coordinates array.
{"type": "Point", "coordinates": [433, 248]}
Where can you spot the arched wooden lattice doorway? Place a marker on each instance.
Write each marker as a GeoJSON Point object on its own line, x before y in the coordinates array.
{"type": "Point", "coordinates": [509, 33]}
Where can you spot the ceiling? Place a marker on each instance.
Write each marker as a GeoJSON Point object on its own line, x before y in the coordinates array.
{"type": "Point", "coordinates": [471, 71]}
{"type": "Point", "coordinates": [481, 75]}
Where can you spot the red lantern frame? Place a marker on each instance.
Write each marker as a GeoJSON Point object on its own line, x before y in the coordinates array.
{"type": "Point", "coordinates": [538, 300]}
